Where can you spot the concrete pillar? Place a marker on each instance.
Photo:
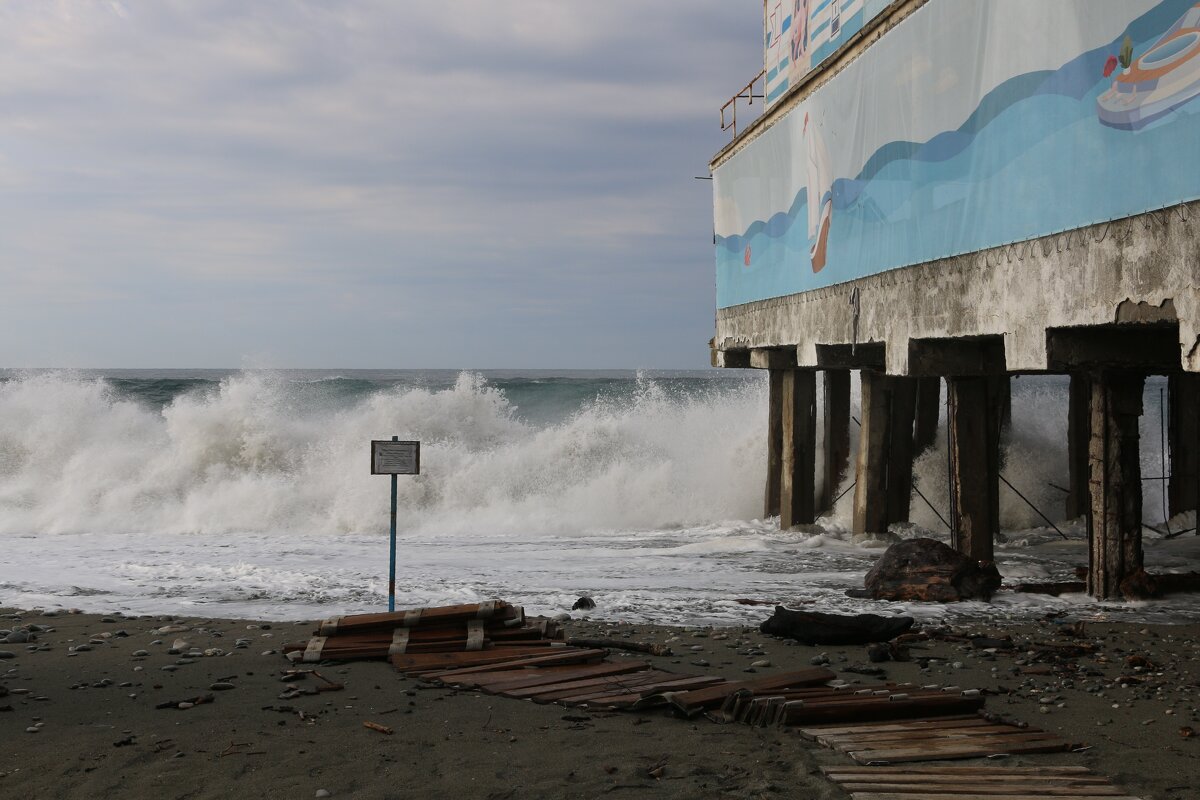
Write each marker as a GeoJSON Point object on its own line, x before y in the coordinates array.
{"type": "Point", "coordinates": [1078, 434]}
{"type": "Point", "coordinates": [900, 448]}
{"type": "Point", "coordinates": [1115, 522]}
{"type": "Point", "coordinates": [974, 431]}
{"type": "Point", "coordinates": [870, 489]}
{"type": "Point", "coordinates": [929, 406]}
{"type": "Point", "coordinates": [797, 493]}
{"type": "Point", "coordinates": [1184, 425]}
{"type": "Point", "coordinates": [837, 433]}
{"type": "Point", "coordinates": [774, 443]}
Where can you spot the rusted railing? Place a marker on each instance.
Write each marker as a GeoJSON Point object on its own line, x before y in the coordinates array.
{"type": "Point", "coordinates": [730, 109]}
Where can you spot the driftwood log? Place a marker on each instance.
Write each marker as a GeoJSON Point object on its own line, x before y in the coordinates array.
{"type": "Point", "coordinates": [926, 569]}
{"type": "Point", "coordinates": [812, 627]}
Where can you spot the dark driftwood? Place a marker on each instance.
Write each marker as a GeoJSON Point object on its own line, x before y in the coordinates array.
{"type": "Point", "coordinates": [616, 644]}
{"type": "Point", "coordinates": [812, 627]}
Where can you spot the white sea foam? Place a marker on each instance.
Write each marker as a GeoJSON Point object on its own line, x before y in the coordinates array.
{"type": "Point", "coordinates": [253, 497]}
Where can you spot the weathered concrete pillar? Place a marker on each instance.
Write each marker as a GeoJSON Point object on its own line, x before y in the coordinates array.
{"type": "Point", "coordinates": [929, 406]}
{"type": "Point", "coordinates": [837, 433]}
{"type": "Point", "coordinates": [797, 494]}
{"type": "Point", "coordinates": [874, 437]}
{"type": "Point", "coordinates": [1078, 435]}
{"type": "Point", "coordinates": [774, 443]}
{"type": "Point", "coordinates": [1115, 522]}
{"type": "Point", "coordinates": [974, 431]}
{"type": "Point", "coordinates": [900, 448]}
{"type": "Point", "coordinates": [1184, 489]}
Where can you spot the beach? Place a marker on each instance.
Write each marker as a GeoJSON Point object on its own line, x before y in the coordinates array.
{"type": "Point", "coordinates": [84, 718]}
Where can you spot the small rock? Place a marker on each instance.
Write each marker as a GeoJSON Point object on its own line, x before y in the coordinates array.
{"type": "Point", "coordinates": [324, 793]}
{"type": "Point", "coordinates": [222, 686]}
{"type": "Point", "coordinates": [140, 653]}
{"type": "Point", "coordinates": [762, 663]}
{"type": "Point", "coordinates": [7, 654]}
{"type": "Point", "coordinates": [820, 660]}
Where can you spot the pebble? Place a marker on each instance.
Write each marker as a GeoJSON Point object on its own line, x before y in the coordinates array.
{"type": "Point", "coordinates": [222, 686]}
{"type": "Point", "coordinates": [140, 653]}
{"type": "Point", "coordinates": [32, 729]}
{"type": "Point", "coordinates": [168, 668]}
{"type": "Point", "coordinates": [324, 793]}
{"type": "Point", "coordinates": [17, 637]}
{"type": "Point", "coordinates": [818, 661]}
{"type": "Point", "coordinates": [762, 663]}
{"type": "Point", "coordinates": [7, 654]}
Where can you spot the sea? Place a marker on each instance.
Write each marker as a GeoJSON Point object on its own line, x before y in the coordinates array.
{"type": "Point", "coordinates": [248, 493]}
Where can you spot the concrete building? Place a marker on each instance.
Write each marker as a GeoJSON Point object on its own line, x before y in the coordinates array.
{"type": "Point", "coordinates": [960, 191]}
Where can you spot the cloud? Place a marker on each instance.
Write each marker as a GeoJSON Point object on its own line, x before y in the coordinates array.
{"type": "Point", "coordinates": [494, 160]}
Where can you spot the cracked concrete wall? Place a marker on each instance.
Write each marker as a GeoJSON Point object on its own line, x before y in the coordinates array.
{"type": "Point", "coordinates": [1140, 269]}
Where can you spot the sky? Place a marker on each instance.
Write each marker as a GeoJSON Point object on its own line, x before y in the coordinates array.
{"type": "Point", "coordinates": [368, 183]}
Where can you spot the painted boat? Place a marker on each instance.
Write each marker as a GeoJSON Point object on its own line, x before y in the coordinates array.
{"type": "Point", "coordinates": [820, 194]}
{"type": "Point", "coordinates": [1159, 81]}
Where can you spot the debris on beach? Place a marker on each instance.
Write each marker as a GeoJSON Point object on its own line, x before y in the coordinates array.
{"type": "Point", "coordinates": [928, 570]}
{"type": "Point", "coordinates": [812, 627]}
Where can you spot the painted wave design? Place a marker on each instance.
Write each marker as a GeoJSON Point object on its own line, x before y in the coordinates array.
{"type": "Point", "coordinates": [1077, 81]}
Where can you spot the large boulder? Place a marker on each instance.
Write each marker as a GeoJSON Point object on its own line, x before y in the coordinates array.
{"type": "Point", "coordinates": [814, 627]}
{"type": "Point", "coordinates": [926, 569]}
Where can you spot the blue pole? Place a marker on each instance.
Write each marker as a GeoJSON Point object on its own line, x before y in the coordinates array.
{"type": "Point", "coordinates": [392, 564]}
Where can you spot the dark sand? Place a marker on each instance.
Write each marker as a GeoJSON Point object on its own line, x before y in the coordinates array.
{"type": "Point", "coordinates": [97, 733]}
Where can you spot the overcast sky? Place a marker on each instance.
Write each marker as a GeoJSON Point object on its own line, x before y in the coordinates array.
{"type": "Point", "coordinates": [376, 183]}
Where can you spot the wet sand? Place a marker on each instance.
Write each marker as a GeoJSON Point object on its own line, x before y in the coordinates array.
{"type": "Point", "coordinates": [83, 720]}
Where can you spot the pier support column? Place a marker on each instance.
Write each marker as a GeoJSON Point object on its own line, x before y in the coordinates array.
{"type": "Point", "coordinates": [798, 486]}
{"type": "Point", "coordinates": [929, 406]}
{"type": "Point", "coordinates": [837, 433]}
{"type": "Point", "coordinates": [900, 449]}
{"type": "Point", "coordinates": [974, 431]}
{"type": "Point", "coordinates": [1184, 396]}
{"type": "Point", "coordinates": [1078, 435]}
{"type": "Point", "coordinates": [1115, 522]}
{"type": "Point", "coordinates": [774, 443]}
{"type": "Point", "coordinates": [874, 435]}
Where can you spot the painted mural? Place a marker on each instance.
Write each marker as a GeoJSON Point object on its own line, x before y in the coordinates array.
{"type": "Point", "coordinates": [970, 125]}
{"type": "Point", "coordinates": [800, 34]}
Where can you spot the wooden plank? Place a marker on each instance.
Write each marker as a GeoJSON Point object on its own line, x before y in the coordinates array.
{"type": "Point", "coordinates": [646, 696]}
{"type": "Point", "coordinates": [502, 685]}
{"type": "Point", "coordinates": [831, 740]}
{"type": "Point", "coordinates": [965, 750]}
{"type": "Point", "coordinates": [987, 789]}
{"type": "Point", "coordinates": [964, 720]}
{"type": "Point", "coordinates": [797, 679]}
{"type": "Point", "coordinates": [911, 796]}
{"type": "Point", "coordinates": [981, 774]}
{"type": "Point", "coordinates": [565, 688]}
{"type": "Point", "coordinates": [959, 769]}
{"type": "Point", "coordinates": [484, 661]}
{"type": "Point", "coordinates": [975, 466]}
{"type": "Point", "coordinates": [1115, 522]}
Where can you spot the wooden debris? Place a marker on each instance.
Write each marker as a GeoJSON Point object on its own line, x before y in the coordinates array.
{"type": "Point", "coordinates": [973, 783]}
{"type": "Point", "coordinates": [375, 726]}
{"type": "Point", "coordinates": [617, 644]}
{"type": "Point", "coordinates": [934, 740]}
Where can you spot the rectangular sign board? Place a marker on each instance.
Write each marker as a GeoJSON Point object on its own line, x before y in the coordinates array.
{"type": "Point", "coordinates": [395, 458]}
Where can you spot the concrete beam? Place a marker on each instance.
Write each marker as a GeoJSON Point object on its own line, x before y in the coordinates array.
{"type": "Point", "coordinates": [1144, 348]}
{"type": "Point", "coordinates": [731, 359]}
{"type": "Point", "coordinates": [942, 357]}
{"type": "Point", "coordinates": [868, 355]}
{"type": "Point", "coordinates": [773, 358]}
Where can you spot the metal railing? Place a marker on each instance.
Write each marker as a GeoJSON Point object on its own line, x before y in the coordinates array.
{"type": "Point", "coordinates": [730, 108]}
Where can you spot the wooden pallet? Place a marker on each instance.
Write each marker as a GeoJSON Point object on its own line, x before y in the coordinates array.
{"type": "Point", "coordinates": [974, 783]}
{"type": "Point", "coordinates": [942, 739]}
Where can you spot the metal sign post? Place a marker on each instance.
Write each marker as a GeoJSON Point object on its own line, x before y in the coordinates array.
{"type": "Point", "coordinates": [394, 458]}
